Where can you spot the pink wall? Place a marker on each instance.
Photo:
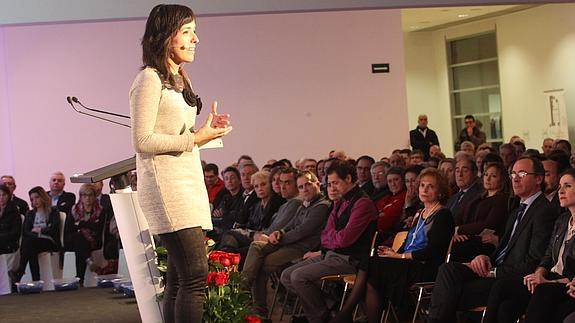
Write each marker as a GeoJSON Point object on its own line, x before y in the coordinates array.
{"type": "Point", "coordinates": [296, 85]}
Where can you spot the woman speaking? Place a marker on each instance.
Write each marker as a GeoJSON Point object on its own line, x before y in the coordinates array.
{"type": "Point", "coordinates": [171, 188]}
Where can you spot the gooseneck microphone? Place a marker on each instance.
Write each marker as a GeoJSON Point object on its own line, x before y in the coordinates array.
{"type": "Point", "coordinates": [73, 99]}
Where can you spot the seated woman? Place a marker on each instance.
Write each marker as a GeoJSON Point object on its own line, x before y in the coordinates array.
{"type": "Point", "coordinates": [89, 223]}
{"type": "Point", "coordinates": [390, 206]}
{"type": "Point", "coordinates": [412, 204]}
{"type": "Point", "coordinates": [41, 233]}
{"type": "Point", "coordinates": [238, 240]}
{"type": "Point", "coordinates": [545, 293]}
{"type": "Point", "coordinates": [10, 223]}
{"type": "Point", "coordinates": [390, 274]}
{"type": "Point", "coordinates": [483, 220]}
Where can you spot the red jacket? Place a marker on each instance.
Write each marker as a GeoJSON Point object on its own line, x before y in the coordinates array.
{"type": "Point", "coordinates": [214, 190]}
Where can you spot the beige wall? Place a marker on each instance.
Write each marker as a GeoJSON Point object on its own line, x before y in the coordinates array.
{"type": "Point", "coordinates": [535, 48]}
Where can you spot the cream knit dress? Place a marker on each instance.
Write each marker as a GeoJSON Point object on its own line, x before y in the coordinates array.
{"type": "Point", "coordinates": [171, 188]}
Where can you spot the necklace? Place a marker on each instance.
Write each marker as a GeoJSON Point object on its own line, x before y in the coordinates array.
{"type": "Point", "coordinates": [431, 211]}
{"type": "Point", "coordinates": [421, 221]}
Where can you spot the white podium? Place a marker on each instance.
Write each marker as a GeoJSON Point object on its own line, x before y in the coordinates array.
{"type": "Point", "coordinates": [140, 257]}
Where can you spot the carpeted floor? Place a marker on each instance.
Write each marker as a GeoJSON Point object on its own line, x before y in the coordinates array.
{"type": "Point", "coordinates": [83, 305]}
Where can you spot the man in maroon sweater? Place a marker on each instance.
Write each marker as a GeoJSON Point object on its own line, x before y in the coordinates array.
{"type": "Point", "coordinates": [345, 241]}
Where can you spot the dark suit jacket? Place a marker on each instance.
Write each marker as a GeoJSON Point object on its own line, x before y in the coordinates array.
{"type": "Point", "coordinates": [368, 187]}
{"type": "Point", "coordinates": [528, 244]}
{"type": "Point", "coordinates": [21, 205]}
{"type": "Point", "coordinates": [10, 228]}
{"type": "Point", "coordinates": [65, 202]}
{"type": "Point", "coordinates": [471, 194]}
{"type": "Point", "coordinates": [52, 228]}
{"type": "Point", "coordinates": [557, 239]}
{"type": "Point", "coordinates": [418, 141]}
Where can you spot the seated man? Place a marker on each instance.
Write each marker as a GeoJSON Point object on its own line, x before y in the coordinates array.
{"type": "Point", "coordinates": [10, 182]}
{"type": "Point", "coordinates": [345, 241]}
{"type": "Point", "coordinates": [467, 182]}
{"type": "Point", "coordinates": [465, 286]}
{"type": "Point", "coordinates": [228, 204]}
{"type": "Point", "coordinates": [300, 235]}
{"type": "Point", "coordinates": [363, 169]}
{"type": "Point", "coordinates": [379, 178]}
{"type": "Point", "coordinates": [214, 184]}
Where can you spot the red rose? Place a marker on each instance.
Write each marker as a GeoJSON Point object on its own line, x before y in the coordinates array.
{"type": "Point", "coordinates": [221, 278]}
{"type": "Point", "coordinates": [225, 261]}
{"type": "Point", "coordinates": [215, 255]}
{"type": "Point", "coordinates": [211, 278]}
{"type": "Point", "coordinates": [252, 319]}
{"type": "Point", "coordinates": [235, 258]}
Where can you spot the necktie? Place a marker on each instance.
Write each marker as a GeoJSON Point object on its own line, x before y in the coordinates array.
{"type": "Point", "coordinates": [459, 198]}
{"type": "Point", "coordinates": [503, 252]}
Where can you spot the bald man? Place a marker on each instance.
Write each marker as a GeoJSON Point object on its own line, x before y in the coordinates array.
{"type": "Point", "coordinates": [421, 138]}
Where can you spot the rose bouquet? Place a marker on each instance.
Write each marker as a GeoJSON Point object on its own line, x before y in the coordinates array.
{"type": "Point", "coordinates": [226, 300]}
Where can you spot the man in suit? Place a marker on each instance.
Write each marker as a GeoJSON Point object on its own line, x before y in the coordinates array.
{"type": "Point", "coordinates": [421, 138]}
{"type": "Point", "coordinates": [10, 182]}
{"type": "Point", "coordinates": [63, 201]}
{"type": "Point", "coordinates": [363, 169]}
{"type": "Point", "coordinates": [467, 182]}
{"type": "Point", "coordinates": [465, 286]}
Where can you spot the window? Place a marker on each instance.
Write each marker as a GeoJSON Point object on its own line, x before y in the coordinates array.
{"type": "Point", "coordinates": [474, 84]}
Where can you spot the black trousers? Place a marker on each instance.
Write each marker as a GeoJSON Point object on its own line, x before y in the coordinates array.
{"type": "Point", "coordinates": [507, 301]}
{"type": "Point", "coordinates": [31, 247]}
{"type": "Point", "coordinates": [83, 250]}
{"type": "Point", "coordinates": [550, 303]}
{"type": "Point", "coordinates": [186, 277]}
{"type": "Point", "coordinates": [457, 288]}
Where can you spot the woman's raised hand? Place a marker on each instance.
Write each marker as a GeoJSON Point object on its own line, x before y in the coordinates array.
{"type": "Point", "coordinates": [217, 125]}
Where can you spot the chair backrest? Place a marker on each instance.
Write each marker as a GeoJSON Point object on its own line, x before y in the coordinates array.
{"type": "Point", "coordinates": [62, 227]}
{"type": "Point", "coordinates": [398, 240]}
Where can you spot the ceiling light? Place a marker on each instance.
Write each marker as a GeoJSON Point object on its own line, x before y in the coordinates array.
{"type": "Point", "coordinates": [462, 15]}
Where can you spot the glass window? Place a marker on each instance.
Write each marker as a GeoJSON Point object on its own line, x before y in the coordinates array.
{"type": "Point", "coordinates": [474, 84]}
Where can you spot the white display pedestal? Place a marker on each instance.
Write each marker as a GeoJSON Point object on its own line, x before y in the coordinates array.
{"type": "Point", "coordinates": [140, 257]}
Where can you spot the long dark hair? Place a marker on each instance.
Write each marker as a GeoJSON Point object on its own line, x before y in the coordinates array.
{"type": "Point", "coordinates": [162, 25]}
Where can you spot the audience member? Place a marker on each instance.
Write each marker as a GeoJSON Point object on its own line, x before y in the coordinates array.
{"type": "Point", "coordinates": [63, 201]}
{"type": "Point", "coordinates": [545, 289]}
{"type": "Point", "coordinates": [390, 206]}
{"type": "Point", "coordinates": [275, 179]}
{"type": "Point", "coordinates": [422, 138]}
{"type": "Point", "coordinates": [379, 179]}
{"type": "Point", "coordinates": [10, 222]}
{"type": "Point", "coordinates": [300, 235]}
{"type": "Point", "coordinates": [416, 158]}
{"type": "Point", "coordinates": [508, 154]}
{"type": "Point", "coordinates": [21, 205]}
{"type": "Point", "coordinates": [412, 203]}
{"type": "Point", "coordinates": [396, 160]}
{"type": "Point", "coordinates": [552, 182]}
{"type": "Point", "coordinates": [562, 144]}
{"type": "Point", "coordinates": [547, 146]}
{"type": "Point", "coordinates": [435, 151]}
{"type": "Point", "coordinates": [228, 204]}
{"type": "Point", "coordinates": [319, 171]}
{"type": "Point", "coordinates": [89, 224]}
{"type": "Point", "coordinates": [345, 240]}
{"type": "Point", "coordinates": [519, 146]}
{"type": "Point", "coordinates": [447, 167]}
{"type": "Point", "coordinates": [338, 154]}
{"type": "Point", "coordinates": [244, 159]}
{"type": "Point", "coordinates": [465, 286]}
{"type": "Point", "coordinates": [214, 184]}
{"type": "Point", "coordinates": [471, 132]}
{"type": "Point", "coordinates": [249, 194]}
{"type": "Point", "coordinates": [41, 233]}
{"type": "Point", "coordinates": [468, 184]}
{"type": "Point", "coordinates": [482, 222]}
{"type": "Point", "coordinates": [363, 168]}
{"type": "Point", "coordinates": [468, 147]}
{"type": "Point", "coordinates": [310, 164]}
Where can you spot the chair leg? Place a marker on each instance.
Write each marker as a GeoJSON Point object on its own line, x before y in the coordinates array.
{"type": "Point", "coordinates": [483, 315]}
{"type": "Point", "coordinates": [343, 296]}
{"type": "Point", "coordinates": [271, 311]}
{"type": "Point", "coordinates": [420, 294]}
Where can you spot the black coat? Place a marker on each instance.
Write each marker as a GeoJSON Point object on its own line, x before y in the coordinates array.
{"type": "Point", "coordinates": [65, 202]}
{"type": "Point", "coordinates": [10, 229]}
{"type": "Point", "coordinates": [528, 244]}
{"type": "Point", "coordinates": [418, 141]}
{"type": "Point", "coordinates": [472, 193]}
{"type": "Point", "coordinates": [552, 254]}
{"type": "Point", "coordinates": [52, 228]}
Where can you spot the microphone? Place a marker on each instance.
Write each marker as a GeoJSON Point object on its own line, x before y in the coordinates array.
{"type": "Point", "coordinates": [71, 102]}
{"type": "Point", "coordinates": [75, 99]}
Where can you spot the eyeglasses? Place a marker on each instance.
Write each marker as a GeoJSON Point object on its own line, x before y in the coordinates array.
{"type": "Point", "coordinates": [86, 194]}
{"type": "Point", "coordinates": [520, 174]}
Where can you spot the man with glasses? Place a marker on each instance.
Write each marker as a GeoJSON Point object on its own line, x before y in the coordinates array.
{"type": "Point", "coordinates": [471, 132]}
{"type": "Point", "coordinates": [421, 138]}
{"type": "Point", "coordinates": [300, 235]}
{"type": "Point", "coordinates": [363, 169]}
{"type": "Point", "coordinates": [468, 285]}
{"type": "Point", "coordinates": [379, 179]}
